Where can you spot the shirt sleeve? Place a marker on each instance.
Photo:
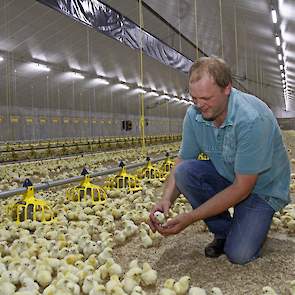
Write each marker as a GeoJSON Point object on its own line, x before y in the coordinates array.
{"type": "Point", "coordinates": [189, 147]}
{"type": "Point", "coordinates": [255, 147]}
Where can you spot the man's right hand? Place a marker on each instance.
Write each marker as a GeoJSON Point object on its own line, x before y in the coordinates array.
{"type": "Point", "coordinates": [162, 206]}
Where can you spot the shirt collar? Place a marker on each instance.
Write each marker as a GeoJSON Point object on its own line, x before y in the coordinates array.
{"type": "Point", "coordinates": [229, 117]}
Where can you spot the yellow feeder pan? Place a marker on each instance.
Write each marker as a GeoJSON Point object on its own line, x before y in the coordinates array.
{"type": "Point", "coordinates": [123, 180]}
{"type": "Point", "coordinates": [30, 208]}
{"type": "Point", "coordinates": [86, 191]}
{"type": "Point", "coordinates": [167, 165]}
{"type": "Point", "coordinates": [203, 157]}
{"type": "Point", "coordinates": [151, 172]}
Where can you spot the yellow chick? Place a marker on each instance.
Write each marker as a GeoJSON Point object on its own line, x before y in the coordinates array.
{"type": "Point", "coordinates": [104, 255]}
{"type": "Point", "coordinates": [118, 291]}
{"type": "Point", "coordinates": [90, 248]}
{"type": "Point", "coordinates": [156, 237]}
{"type": "Point", "coordinates": [112, 284]}
{"type": "Point", "coordinates": [29, 285]}
{"type": "Point", "coordinates": [145, 238]}
{"type": "Point", "coordinates": [83, 240]}
{"type": "Point", "coordinates": [129, 284]}
{"type": "Point", "coordinates": [149, 276]}
{"type": "Point", "coordinates": [133, 263]}
{"type": "Point", "coordinates": [6, 287]}
{"type": "Point", "coordinates": [160, 217]}
{"type": "Point", "coordinates": [108, 243]}
{"type": "Point", "coordinates": [134, 273]}
{"type": "Point", "coordinates": [11, 275]}
{"type": "Point", "coordinates": [285, 219]}
{"type": "Point", "coordinates": [196, 291]}
{"type": "Point", "coordinates": [129, 221]}
{"type": "Point", "coordinates": [169, 284]}
{"type": "Point", "coordinates": [292, 287]}
{"type": "Point", "coordinates": [268, 291]}
{"type": "Point", "coordinates": [113, 268]}
{"type": "Point", "coordinates": [105, 235]}
{"type": "Point", "coordinates": [43, 277]}
{"type": "Point", "coordinates": [182, 286]}
{"type": "Point", "coordinates": [109, 225]}
{"type": "Point", "coordinates": [130, 230]}
{"type": "Point", "coordinates": [88, 284]}
{"type": "Point", "coordinates": [216, 291]}
{"type": "Point", "coordinates": [137, 291]}
{"type": "Point", "coordinates": [50, 290]}
{"type": "Point", "coordinates": [98, 290]}
{"type": "Point", "coordinates": [84, 272]}
{"type": "Point", "coordinates": [291, 226]}
{"type": "Point", "coordinates": [101, 274]}
{"type": "Point", "coordinates": [117, 213]}
{"type": "Point", "coordinates": [24, 293]}
{"type": "Point", "coordinates": [276, 222]}
{"type": "Point", "coordinates": [91, 260]}
{"type": "Point", "coordinates": [73, 258]}
{"type": "Point", "coordinates": [70, 274]}
{"type": "Point", "coordinates": [166, 291]}
{"type": "Point", "coordinates": [144, 225]}
{"type": "Point", "coordinates": [73, 288]}
{"type": "Point", "coordinates": [3, 266]}
{"type": "Point", "coordinates": [88, 211]}
{"type": "Point", "coordinates": [120, 236]}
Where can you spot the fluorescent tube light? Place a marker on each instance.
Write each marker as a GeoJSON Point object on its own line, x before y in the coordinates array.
{"type": "Point", "coordinates": [274, 16]}
{"type": "Point", "coordinates": [41, 68]}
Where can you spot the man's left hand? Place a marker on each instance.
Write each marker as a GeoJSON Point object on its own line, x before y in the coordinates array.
{"type": "Point", "coordinates": [175, 225]}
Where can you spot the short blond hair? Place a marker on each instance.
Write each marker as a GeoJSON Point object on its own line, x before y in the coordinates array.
{"type": "Point", "coordinates": [215, 67]}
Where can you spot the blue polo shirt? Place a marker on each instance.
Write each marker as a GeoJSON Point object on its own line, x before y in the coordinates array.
{"type": "Point", "coordinates": [248, 142]}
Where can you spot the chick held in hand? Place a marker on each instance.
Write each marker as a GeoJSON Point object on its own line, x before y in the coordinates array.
{"type": "Point", "coordinates": [160, 217]}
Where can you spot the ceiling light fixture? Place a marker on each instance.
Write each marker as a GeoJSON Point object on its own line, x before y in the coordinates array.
{"type": "Point", "coordinates": [165, 96]}
{"type": "Point", "coordinates": [154, 93]}
{"type": "Point", "coordinates": [151, 94]}
{"type": "Point", "coordinates": [101, 81]}
{"type": "Point", "coordinates": [1, 58]}
{"type": "Point", "coordinates": [78, 75]}
{"type": "Point", "coordinates": [121, 86]}
{"type": "Point", "coordinates": [281, 45]}
{"type": "Point", "coordinates": [41, 68]}
{"type": "Point", "coordinates": [274, 16]}
{"type": "Point", "coordinates": [140, 90]}
{"type": "Point", "coordinates": [124, 86]}
{"type": "Point", "coordinates": [174, 99]}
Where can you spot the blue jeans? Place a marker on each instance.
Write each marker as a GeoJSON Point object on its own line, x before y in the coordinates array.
{"type": "Point", "coordinates": [246, 231]}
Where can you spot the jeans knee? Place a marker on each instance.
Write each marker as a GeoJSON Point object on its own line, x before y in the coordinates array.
{"type": "Point", "coordinates": [192, 173]}
{"type": "Point", "coordinates": [237, 257]}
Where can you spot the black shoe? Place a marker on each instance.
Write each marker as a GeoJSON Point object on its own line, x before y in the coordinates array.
{"type": "Point", "coordinates": [215, 248]}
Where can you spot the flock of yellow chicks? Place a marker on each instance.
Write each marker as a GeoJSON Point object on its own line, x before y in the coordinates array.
{"type": "Point", "coordinates": [74, 255]}
{"type": "Point", "coordinates": [12, 175]}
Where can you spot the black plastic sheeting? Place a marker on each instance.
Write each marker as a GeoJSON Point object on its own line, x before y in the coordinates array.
{"type": "Point", "coordinates": [111, 23]}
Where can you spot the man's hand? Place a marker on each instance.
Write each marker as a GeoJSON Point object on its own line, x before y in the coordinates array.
{"type": "Point", "coordinates": [176, 225]}
{"type": "Point", "coordinates": [162, 206]}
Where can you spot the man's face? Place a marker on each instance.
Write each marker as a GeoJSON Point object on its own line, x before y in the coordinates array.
{"type": "Point", "coordinates": [210, 99]}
